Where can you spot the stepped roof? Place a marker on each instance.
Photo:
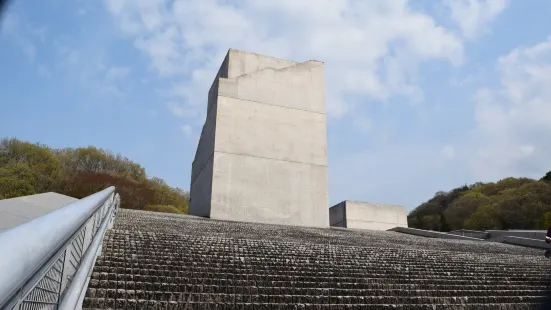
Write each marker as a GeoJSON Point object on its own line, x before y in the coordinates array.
{"type": "Point", "coordinates": [165, 261]}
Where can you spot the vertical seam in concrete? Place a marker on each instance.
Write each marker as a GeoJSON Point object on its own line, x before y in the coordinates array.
{"type": "Point", "coordinates": [344, 215]}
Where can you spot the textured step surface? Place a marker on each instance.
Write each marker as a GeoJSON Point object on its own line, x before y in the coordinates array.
{"type": "Point", "coordinates": [165, 261]}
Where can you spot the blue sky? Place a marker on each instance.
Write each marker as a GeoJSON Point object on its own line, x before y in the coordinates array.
{"type": "Point", "coordinates": [422, 95]}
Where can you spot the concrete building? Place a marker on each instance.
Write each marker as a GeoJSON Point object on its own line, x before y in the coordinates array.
{"type": "Point", "coordinates": [19, 210]}
{"type": "Point", "coordinates": [262, 155]}
{"type": "Point", "coordinates": [365, 215]}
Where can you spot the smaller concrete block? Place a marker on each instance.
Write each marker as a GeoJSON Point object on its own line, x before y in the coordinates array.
{"type": "Point", "coordinates": [365, 215]}
{"type": "Point", "coordinates": [337, 215]}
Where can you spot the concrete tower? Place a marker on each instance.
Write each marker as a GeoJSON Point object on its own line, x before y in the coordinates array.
{"type": "Point", "coordinates": [262, 155]}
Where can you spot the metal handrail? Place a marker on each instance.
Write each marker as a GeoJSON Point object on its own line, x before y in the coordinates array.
{"type": "Point", "coordinates": [73, 293]}
{"type": "Point", "coordinates": [33, 249]}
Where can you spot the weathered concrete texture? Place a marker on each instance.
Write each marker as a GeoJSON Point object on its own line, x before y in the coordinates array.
{"type": "Point", "coordinates": [16, 211]}
{"type": "Point", "coordinates": [365, 215]}
{"type": "Point", "coordinates": [262, 155]}
{"type": "Point", "coordinates": [174, 262]}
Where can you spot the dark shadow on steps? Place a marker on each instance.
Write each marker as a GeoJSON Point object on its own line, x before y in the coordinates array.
{"type": "Point", "coordinates": [546, 304]}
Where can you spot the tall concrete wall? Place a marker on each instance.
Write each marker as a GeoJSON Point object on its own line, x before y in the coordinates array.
{"type": "Point", "coordinates": [262, 155]}
{"type": "Point", "coordinates": [365, 215]}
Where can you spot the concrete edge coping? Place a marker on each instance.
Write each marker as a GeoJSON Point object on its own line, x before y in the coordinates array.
{"type": "Point", "coordinates": [431, 234]}
{"type": "Point", "coordinates": [526, 242]}
{"type": "Point", "coordinates": [470, 231]}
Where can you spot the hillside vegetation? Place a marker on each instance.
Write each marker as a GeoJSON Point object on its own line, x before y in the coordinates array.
{"type": "Point", "coordinates": [30, 168]}
{"type": "Point", "coordinates": [511, 203]}
{"type": "Point", "coordinates": [27, 168]}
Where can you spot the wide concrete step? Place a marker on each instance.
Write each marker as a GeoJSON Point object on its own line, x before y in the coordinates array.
{"type": "Point", "coordinates": [152, 276]}
{"type": "Point", "coordinates": [192, 284]}
{"type": "Point", "coordinates": [142, 304]}
{"type": "Point", "coordinates": [156, 261]}
{"type": "Point", "coordinates": [317, 262]}
{"type": "Point", "coordinates": [320, 295]}
{"type": "Point", "coordinates": [298, 274]}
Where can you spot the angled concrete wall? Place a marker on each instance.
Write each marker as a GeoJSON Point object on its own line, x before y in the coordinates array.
{"type": "Point", "coordinates": [431, 234]}
{"type": "Point", "coordinates": [19, 210]}
{"type": "Point", "coordinates": [526, 242]}
{"type": "Point", "coordinates": [365, 215]}
{"type": "Point", "coordinates": [262, 155]}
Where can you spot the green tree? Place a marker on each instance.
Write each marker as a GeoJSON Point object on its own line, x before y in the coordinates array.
{"type": "Point", "coordinates": [486, 217]}
{"type": "Point", "coordinates": [16, 179]}
{"type": "Point", "coordinates": [424, 216]}
{"type": "Point", "coordinates": [32, 166]}
{"type": "Point", "coordinates": [27, 168]}
{"type": "Point", "coordinates": [545, 221]}
{"type": "Point", "coordinates": [463, 208]}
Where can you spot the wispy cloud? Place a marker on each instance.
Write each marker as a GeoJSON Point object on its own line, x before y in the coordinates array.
{"type": "Point", "coordinates": [475, 16]}
{"type": "Point", "coordinates": [116, 73]}
{"type": "Point", "coordinates": [513, 131]}
{"type": "Point", "coordinates": [372, 48]}
{"type": "Point", "coordinates": [417, 101]}
{"type": "Point", "coordinates": [21, 33]}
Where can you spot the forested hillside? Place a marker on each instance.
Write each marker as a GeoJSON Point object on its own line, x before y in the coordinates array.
{"type": "Point", "coordinates": [31, 168]}
{"type": "Point", "coordinates": [27, 168]}
{"type": "Point", "coordinates": [511, 203]}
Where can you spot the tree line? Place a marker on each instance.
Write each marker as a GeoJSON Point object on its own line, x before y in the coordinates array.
{"type": "Point", "coordinates": [31, 168]}
{"type": "Point", "coordinates": [511, 203]}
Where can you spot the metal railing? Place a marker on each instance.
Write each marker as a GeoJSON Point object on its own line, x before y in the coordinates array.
{"type": "Point", "coordinates": [45, 263]}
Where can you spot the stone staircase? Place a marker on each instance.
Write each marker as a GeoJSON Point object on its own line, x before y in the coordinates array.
{"type": "Point", "coordinates": [164, 261]}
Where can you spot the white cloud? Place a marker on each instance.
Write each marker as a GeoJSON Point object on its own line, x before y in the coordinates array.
{"type": "Point", "coordinates": [527, 149]}
{"type": "Point", "coordinates": [372, 52]}
{"type": "Point", "coordinates": [21, 34]}
{"type": "Point", "coordinates": [474, 16]}
{"type": "Point", "coordinates": [513, 131]}
{"type": "Point", "coordinates": [187, 131]}
{"type": "Point", "coordinates": [180, 110]}
{"type": "Point", "coordinates": [371, 48]}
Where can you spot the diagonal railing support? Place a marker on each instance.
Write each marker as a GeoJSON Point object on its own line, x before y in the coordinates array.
{"type": "Point", "coordinates": [42, 257]}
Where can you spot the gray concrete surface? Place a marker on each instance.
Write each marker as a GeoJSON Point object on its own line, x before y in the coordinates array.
{"type": "Point", "coordinates": [262, 154]}
{"type": "Point", "coordinates": [431, 234]}
{"type": "Point", "coordinates": [366, 215]}
{"type": "Point", "coordinates": [471, 233]}
{"type": "Point", "coordinates": [526, 242]}
{"type": "Point", "coordinates": [16, 211]}
{"type": "Point", "coordinates": [499, 235]}
{"type": "Point", "coordinates": [337, 215]}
